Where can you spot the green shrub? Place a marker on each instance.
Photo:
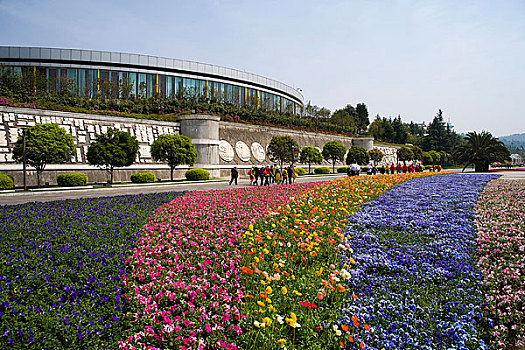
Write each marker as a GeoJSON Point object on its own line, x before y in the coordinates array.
{"type": "Point", "coordinates": [6, 182]}
{"type": "Point", "coordinates": [197, 174]}
{"type": "Point", "coordinates": [143, 177]}
{"type": "Point", "coordinates": [426, 167]}
{"type": "Point", "coordinates": [72, 179]}
{"type": "Point", "coordinates": [322, 170]}
{"type": "Point", "coordinates": [342, 169]}
{"type": "Point", "coordinates": [301, 171]}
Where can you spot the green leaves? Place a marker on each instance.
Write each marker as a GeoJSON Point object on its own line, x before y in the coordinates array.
{"type": "Point", "coordinates": [45, 143]}
{"type": "Point", "coordinates": [357, 155]}
{"type": "Point", "coordinates": [175, 150]}
{"type": "Point", "coordinates": [282, 149]}
{"type": "Point", "coordinates": [113, 149]}
{"type": "Point", "coordinates": [481, 150]}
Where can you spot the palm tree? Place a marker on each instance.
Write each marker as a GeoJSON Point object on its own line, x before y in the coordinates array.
{"type": "Point", "coordinates": [481, 150]}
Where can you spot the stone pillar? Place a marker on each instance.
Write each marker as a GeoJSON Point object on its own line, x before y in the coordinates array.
{"type": "Point", "coordinates": [203, 130]}
{"type": "Point", "coordinates": [365, 142]}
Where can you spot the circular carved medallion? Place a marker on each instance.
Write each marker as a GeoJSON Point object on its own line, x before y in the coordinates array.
{"type": "Point", "coordinates": [242, 151]}
{"type": "Point", "coordinates": [226, 151]}
{"type": "Point", "coordinates": [258, 151]}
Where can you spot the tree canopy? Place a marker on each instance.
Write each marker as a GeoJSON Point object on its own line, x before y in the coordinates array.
{"type": "Point", "coordinates": [113, 149]}
{"type": "Point", "coordinates": [376, 155]}
{"type": "Point", "coordinates": [404, 153]}
{"type": "Point", "coordinates": [481, 150]}
{"type": "Point", "coordinates": [357, 155]}
{"type": "Point", "coordinates": [282, 149]}
{"type": "Point", "coordinates": [174, 150]}
{"type": "Point", "coordinates": [334, 151]}
{"type": "Point", "coordinates": [310, 155]}
{"type": "Point", "coordinates": [45, 144]}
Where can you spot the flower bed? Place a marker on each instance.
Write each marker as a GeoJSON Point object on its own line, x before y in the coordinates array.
{"type": "Point", "coordinates": [415, 274]}
{"type": "Point", "coordinates": [500, 223]}
{"type": "Point", "coordinates": [61, 265]}
{"type": "Point", "coordinates": [292, 270]}
{"type": "Point", "coordinates": [185, 272]}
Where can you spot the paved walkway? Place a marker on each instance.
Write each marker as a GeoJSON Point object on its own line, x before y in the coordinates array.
{"type": "Point", "coordinates": [18, 197]}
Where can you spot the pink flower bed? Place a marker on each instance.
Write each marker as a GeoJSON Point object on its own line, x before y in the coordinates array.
{"type": "Point", "coordinates": [185, 270]}
{"type": "Point", "coordinates": [500, 221]}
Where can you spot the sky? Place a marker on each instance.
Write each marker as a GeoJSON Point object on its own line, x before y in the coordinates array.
{"type": "Point", "coordinates": [406, 58]}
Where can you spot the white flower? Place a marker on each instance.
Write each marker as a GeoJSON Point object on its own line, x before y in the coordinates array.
{"type": "Point", "coordinates": [280, 319]}
{"type": "Point", "coordinates": [345, 274]}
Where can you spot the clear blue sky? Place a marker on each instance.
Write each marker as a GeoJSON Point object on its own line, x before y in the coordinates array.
{"type": "Point", "coordinates": [407, 58]}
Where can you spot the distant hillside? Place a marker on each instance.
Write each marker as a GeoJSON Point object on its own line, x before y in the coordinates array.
{"type": "Point", "coordinates": [514, 143]}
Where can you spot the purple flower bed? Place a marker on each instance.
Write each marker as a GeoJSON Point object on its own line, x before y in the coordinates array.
{"type": "Point", "coordinates": [415, 274]}
{"type": "Point", "coordinates": [61, 265]}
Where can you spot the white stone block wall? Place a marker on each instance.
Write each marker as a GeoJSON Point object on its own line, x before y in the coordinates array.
{"type": "Point", "coordinates": [82, 127]}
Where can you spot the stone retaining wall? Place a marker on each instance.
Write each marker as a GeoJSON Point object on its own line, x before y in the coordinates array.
{"type": "Point", "coordinates": [221, 145]}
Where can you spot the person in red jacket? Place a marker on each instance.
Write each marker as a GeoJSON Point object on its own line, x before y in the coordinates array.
{"type": "Point", "coordinates": [405, 168]}
{"type": "Point", "coordinates": [392, 169]}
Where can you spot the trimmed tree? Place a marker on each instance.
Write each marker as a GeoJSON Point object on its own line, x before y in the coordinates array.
{"type": "Point", "coordinates": [481, 150]}
{"type": "Point", "coordinates": [357, 155]}
{"type": "Point", "coordinates": [174, 150]}
{"type": "Point", "coordinates": [427, 158]}
{"type": "Point", "coordinates": [418, 152]}
{"type": "Point", "coordinates": [375, 155]}
{"type": "Point", "coordinates": [311, 155]}
{"type": "Point", "coordinates": [45, 144]}
{"type": "Point", "coordinates": [436, 157]}
{"type": "Point", "coordinates": [404, 153]}
{"type": "Point", "coordinates": [282, 149]}
{"type": "Point", "coordinates": [334, 151]}
{"type": "Point", "coordinates": [113, 149]}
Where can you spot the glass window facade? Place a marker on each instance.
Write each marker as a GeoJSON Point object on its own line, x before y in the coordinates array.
{"type": "Point", "coordinates": [116, 84]}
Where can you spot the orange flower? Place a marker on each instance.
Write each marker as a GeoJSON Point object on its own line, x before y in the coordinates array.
{"type": "Point", "coordinates": [354, 296]}
{"type": "Point", "coordinates": [340, 287]}
{"type": "Point", "coordinates": [249, 296]}
{"type": "Point", "coordinates": [361, 345]}
{"type": "Point", "coordinates": [246, 270]}
{"type": "Point", "coordinates": [354, 318]}
{"type": "Point", "coordinates": [344, 327]}
{"type": "Point", "coordinates": [350, 339]}
{"type": "Point", "coordinates": [367, 327]}
{"type": "Point", "coordinates": [341, 345]}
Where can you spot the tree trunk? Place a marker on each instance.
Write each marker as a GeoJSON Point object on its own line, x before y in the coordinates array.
{"type": "Point", "coordinates": [333, 166]}
{"type": "Point", "coordinates": [111, 175]}
{"type": "Point", "coordinates": [309, 171]}
{"type": "Point", "coordinates": [38, 173]}
{"type": "Point", "coordinates": [171, 173]}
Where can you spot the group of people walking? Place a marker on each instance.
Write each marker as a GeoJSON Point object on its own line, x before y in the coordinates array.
{"type": "Point", "coordinates": [267, 175]}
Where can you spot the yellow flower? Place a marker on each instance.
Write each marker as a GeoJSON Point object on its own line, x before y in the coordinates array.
{"type": "Point", "coordinates": [297, 293]}
{"type": "Point", "coordinates": [319, 272]}
{"type": "Point", "coordinates": [256, 258]}
{"type": "Point", "coordinates": [250, 227]}
{"type": "Point", "coordinates": [268, 300]}
{"type": "Point", "coordinates": [266, 251]}
{"type": "Point", "coordinates": [260, 303]}
{"type": "Point", "coordinates": [272, 308]}
{"type": "Point", "coordinates": [269, 290]}
{"type": "Point", "coordinates": [284, 290]}
{"type": "Point", "coordinates": [281, 341]}
{"type": "Point", "coordinates": [292, 321]}
{"type": "Point", "coordinates": [267, 321]}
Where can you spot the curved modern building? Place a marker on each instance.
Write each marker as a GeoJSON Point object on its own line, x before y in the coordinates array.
{"type": "Point", "coordinates": [91, 73]}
